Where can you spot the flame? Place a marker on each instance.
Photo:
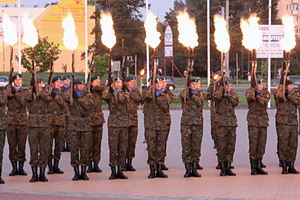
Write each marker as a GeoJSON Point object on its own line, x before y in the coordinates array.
{"type": "Point", "coordinates": [215, 77]}
{"type": "Point", "coordinates": [288, 42]}
{"type": "Point", "coordinates": [221, 34]}
{"type": "Point", "coordinates": [152, 35]}
{"type": "Point", "coordinates": [187, 30]}
{"type": "Point", "coordinates": [252, 36]}
{"type": "Point", "coordinates": [142, 72]}
{"type": "Point", "coordinates": [108, 33]}
{"type": "Point", "coordinates": [30, 34]}
{"type": "Point", "coordinates": [9, 31]}
{"type": "Point", "coordinates": [70, 38]}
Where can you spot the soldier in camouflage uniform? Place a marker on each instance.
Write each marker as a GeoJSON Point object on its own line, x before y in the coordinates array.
{"type": "Point", "coordinates": [38, 126]}
{"type": "Point", "coordinates": [66, 86]}
{"type": "Point", "coordinates": [287, 126]}
{"type": "Point", "coordinates": [118, 124]}
{"type": "Point", "coordinates": [80, 128]}
{"type": "Point", "coordinates": [258, 122]}
{"type": "Point", "coordinates": [17, 125]}
{"type": "Point", "coordinates": [192, 126]}
{"type": "Point", "coordinates": [57, 107]}
{"type": "Point", "coordinates": [226, 100]}
{"type": "Point", "coordinates": [97, 124]}
{"type": "Point", "coordinates": [156, 127]}
{"type": "Point", "coordinates": [134, 100]}
{"type": "Point", "coordinates": [3, 126]}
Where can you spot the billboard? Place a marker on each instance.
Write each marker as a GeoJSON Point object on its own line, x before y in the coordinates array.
{"type": "Point", "coordinates": [168, 42]}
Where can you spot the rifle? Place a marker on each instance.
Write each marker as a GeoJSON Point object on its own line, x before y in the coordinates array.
{"type": "Point", "coordinates": [11, 66]}
{"type": "Point", "coordinates": [285, 71]}
{"type": "Point", "coordinates": [189, 70]}
{"type": "Point", "coordinates": [91, 71]}
{"type": "Point", "coordinates": [123, 61]}
{"type": "Point", "coordinates": [109, 71]}
{"type": "Point", "coordinates": [155, 63]}
{"type": "Point", "coordinates": [253, 69]}
{"type": "Point", "coordinates": [73, 81]}
{"type": "Point", "coordinates": [223, 69]}
{"type": "Point", "coordinates": [34, 77]}
{"type": "Point", "coordinates": [51, 72]}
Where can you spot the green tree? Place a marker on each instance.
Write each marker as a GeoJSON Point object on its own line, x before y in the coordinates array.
{"type": "Point", "coordinates": [101, 64]}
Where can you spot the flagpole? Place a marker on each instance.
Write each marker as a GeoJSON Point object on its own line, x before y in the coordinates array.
{"type": "Point", "coordinates": [269, 53]}
{"type": "Point", "coordinates": [19, 35]}
{"type": "Point", "coordinates": [208, 43]}
{"type": "Point", "coordinates": [147, 46]}
{"type": "Point", "coordinates": [86, 40]}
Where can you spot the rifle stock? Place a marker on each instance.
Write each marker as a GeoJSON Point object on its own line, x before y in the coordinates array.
{"type": "Point", "coordinates": [51, 72]}
{"type": "Point", "coordinates": [73, 81]}
{"type": "Point", "coordinates": [11, 66]}
{"type": "Point", "coordinates": [91, 71]}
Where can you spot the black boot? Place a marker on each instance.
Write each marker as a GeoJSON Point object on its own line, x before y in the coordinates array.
{"type": "Point", "coordinates": [198, 166]}
{"type": "Point", "coordinates": [223, 169]}
{"type": "Point", "coordinates": [83, 174]}
{"type": "Point", "coordinates": [120, 174]}
{"type": "Point", "coordinates": [96, 168]}
{"type": "Point", "coordinates": [21, 169]}
{"type": "Point", "coordinates": [14, 171]}
{"type": "Point", "coordinates": [280, 163]}
{"type": "Point", "coordinates": [160, 173]}
{"type": "Point", "coordinates": [68, 147]}
{"type": "Point", "coordinates": [228, 170]}
{"type": "Point", "coordinates": [34, 177]}
{"type": "Point", "coordinates": [284, 167]}
{"type": "Point", "coordinates": [187, 170]}
{"type": "Point", "coordinates": [152, 171]}
{"type": "Point", "coordinates": [42, 176]}
{"type": "Point", "coordinates": [292, 169]}
{"type": "Point", "coordinates": [76, 174]}
{"type": "Point", "coordinates": [56, 169]}
{"type": "Point", "coordinates": [218, 165]}
{"type": "Point", "coordinates": [215, 144]}
{"type": "Point", "coordinates": [113, 173]}
{"type": "Point", "coordinates": [1, 180]}
{"type": "Point", "coordinates": [63, 147]}
{"type": "Point", "coordinates": [260, 169]}
{"type": "Point", "coordinates": [164, 167]}
{"type": "Point", "coordinates": [129, 165]}
{"type": "Point", "coordinates": [231, 166]}
{"type": "Point", "coordinates": [253, 164]}
{"type": "Point", "coordinates": [262, 165]}
{"type": "Point", "coordinates": [194, 170]}
{"type": "Point", "coordinates": [90, 167]}
{"type": "Point", "coordinates": [50, 167]}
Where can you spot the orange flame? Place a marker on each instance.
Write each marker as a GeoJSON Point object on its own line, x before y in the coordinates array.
{"type": "Point", "coordinates": [187, 30]}
{"type": "Point", "coordinates": [70, 38]}
{"type": "Point", "coordinates": [152, 35]}
{"type": "Point", "coordinates": [221, 34]}
{"type": "Point", "coordinates": [9, 31]}
{"type": "Point", "coordinates": [252, 36]}
{"type": "Point", "coordinates": [288, 42]}
{"type": "Point", "coordinates": [142, 72]}
{"type": "Point", "coordinates": [107, 26]}
{"type": "Point", "coordinates": [30, 34]}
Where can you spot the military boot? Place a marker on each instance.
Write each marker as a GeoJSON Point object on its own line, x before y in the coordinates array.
{"type": "Point", "coordinates": [120, 174]}
{"type": "Point", "coordinates": [223, 169]}
{"type": "Point", "coordinates": [42, 176]}
{"type": "Point", "coordinates": [259, 169]}
{"type": "Point", "coordinates": [164, 167]}
{"type": "Point", "coordinates": [76, 174]}
{"type": "Point", "coordinates": [218, 165]}
{"type": "Point", "coordinates": [129, 165]}
{"type": "Point", "coordinates": [262, 165]}
{"type": "Point", "coordinates": [113, 173]}
{"type": "Point", "coordinates": [90, 167]}
{"type": "Point", "coordinates": [1, 180]}
{"type": "Point", "coordinates": [215, 144]}
{"type": "Point", "coordinates": [160, 173]}
{"type": "Point", "coordinates": [96, 168]}
{"type": "Point", "coordinates": [34, 177]}
{"type": "Point", "coordinates": [228, 170]}
{"type": "Point", "coordinates": [21, 169]}
{"type": "Point", "coordinates": [284, 167]}
{"type": "Point", "coordinates": [198, 166]}
{"type": "Point", "coordinates": [56, 169]}
{"type": "Point", "coordinates": [292, 169]}
{"type": "Point", "coordinates": [253, 164]}
{"type": "Point", "coordinates": [280, 163]}
{"type": "Point", "coordinates": [50, 167]}
{"type": "Point", "coordinates": [14, 171]}
{"type": "Point", "coordinates": [68, 147]}
{"type": "Point", "coordinates": [187, 170]}
{"type": "Point", "coordinates": [194, 170]}
{"type": "Point", "coordinates": [152, 171]}
{"type": "Point", "coordinates": [83, 174]}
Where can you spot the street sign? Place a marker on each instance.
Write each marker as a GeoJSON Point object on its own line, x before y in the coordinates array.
{"type": "Point", "coordinates": [116, 66]}
{"type": "Point", "coordinates": [168, 42]}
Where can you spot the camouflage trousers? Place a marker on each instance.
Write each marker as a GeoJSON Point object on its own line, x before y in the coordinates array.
{"type": "Point", "coordinates": [67, 134]}
{"type": "Point", "coordinates": [16, 137]}
{"type": "Point", "coordinates": [213, 129]}
{"type": "Point", "coordinates": [117, 142]}
{"type": "Point", "coordinates": [191, 139]}
{"type": "Point", "coordinates": [80, 141]}
{"type": "Point", "coordinates": [95, 146]}
{"type": "Point", "coordinates": [2, 143]}
{"type": "Point", "coordinates": [57, 136]}
{"type": "Point", "coordinates": [132, 137]}
{"type": "Point", "coordinates": [226, 137]}
{"type": "Point", "coordinates": [39, 141]}
{"type": "Point", "coordinates": [156, 141]}
{"type": "Point", "coordinates": [287, 142]}
{"type": "Point", "coordinates": [168, 133]}
{"type": "Point", "coordinates": [257, 142]}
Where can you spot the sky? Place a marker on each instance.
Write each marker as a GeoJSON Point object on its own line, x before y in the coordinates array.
{"type": "Point", "coordinates": [158, 7]}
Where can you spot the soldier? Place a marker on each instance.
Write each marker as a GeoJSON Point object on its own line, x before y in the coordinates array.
{"type": "Point", "coordinates": [156, 127]}
{"type": "Point", "coordinates": [38, 125]}
{"type": "Point", "coordinates": [134, 100]}
{"type": "Point", "coordinates": [97, 119]}
{"type": "Point", "coordinates": [57, 107]}
{"type": "Point", "coordinates": [118, 124]}
{"type": "Point", "coordinates": [192, 126]}
{"type": "Point", "coordinates": [17, 125]}
{"type": "Point", "coordinates": [80, 128]}
{"type": "Point", "coordinates": [3, 126]}
{"type": "Point", "coordinates": [66, 86]}
{"type": "Point", "coordinates": [226, 100]}
{"type": "Point", "coordinates": [258, 119]}
{"type": "Point", "coordinates": [287, 101]}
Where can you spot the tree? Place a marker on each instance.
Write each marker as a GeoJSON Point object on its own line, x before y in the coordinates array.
{"type": "Point", "coordinates": [101, 64]}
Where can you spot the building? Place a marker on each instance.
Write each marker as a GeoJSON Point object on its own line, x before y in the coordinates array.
{"type": "Point", "coordinates": [290, 7]}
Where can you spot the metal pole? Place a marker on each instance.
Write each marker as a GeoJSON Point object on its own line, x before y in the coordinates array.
{"type": "Point", "coordinates": [208, 43]}
{"type": "Point", "coordinates": [269, 53]}
{"type": "Point", "coordinates": [3, 46]}
{"type": "Point", "coordinates": [86, 40]}
{"type": "Point", "coordinates": [237, 67]}
{"type": "Point", "coordinates": [227, 22]}
{"type": "Point", "coordinates": [135, 67]}
{"type": "Point", "coordinates": [147, 46]}
{"type": "Point", "coordinates": [19, 35]}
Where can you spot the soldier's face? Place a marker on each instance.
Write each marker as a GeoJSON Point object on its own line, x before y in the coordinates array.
{"type": "Point", "coordinates": [228, 87]}
{"type": "Point", "coordinates": [18, 82]}
{"type": "Point", "coordinates": [158, 85]}
{"type": "Point", "coordinates": [67, 82]}
{"type": "Point", "coordinates": [193, 85]}
{"type": "Point", "coordinates": [260, 86]}
{"type": "Point", "coordinates": [118, 84]}
{"type": "Point", "coordinates": [164, 83]}
{"type": "Point", "coordinates": [56, 84]}
{"type": "Point", "coordinates": [40, 85]}
{"type": "Point", "coordinates": [130, 84]}
{"type": "Point", "coordinates": [96, 82]}
{"type": "Point", "coordinates": [290, 87]}
{"type": "Point", "coordinates": [79, 87]}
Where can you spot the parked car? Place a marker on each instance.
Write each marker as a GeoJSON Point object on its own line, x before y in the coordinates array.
{"type": "Point", "coordinates": [3, 81]}
{"type": "Point", "coordinates": [276, 81]}
{"type": "Point", "coordinates": [170, 82]}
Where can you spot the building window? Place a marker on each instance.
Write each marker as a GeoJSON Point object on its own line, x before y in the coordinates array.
{"type": "Point", "coordinates": [288, 7]}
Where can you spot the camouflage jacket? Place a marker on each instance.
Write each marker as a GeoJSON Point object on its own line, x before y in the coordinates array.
{"type": "Point", "coordinates": [257, 103]}
{"type": "Point", "coordinates": [57, 108]}
{"type": "Point", "coordinates": [155, 111]}
{"type": "Point", "coordinates": [3, 102]}
{"type": "Point", "coordinates": [38, 108]}
{"type": "Point", "coordinates": [168, 114]}
{"type": "Point", "coordinates": [135, 98]}
{"type": "Point", "coordinates": [192, 109]}
{"type": "Point", "coordinates": [118, 108]}
{"type": "Point", "coordinates": [97, 114]}
{"type": "Point", "coordinates": [286, 107]}
{"type": "Point", "coordinates": [16, 106]}
{"type": "Point", "coordinates": [209, 97]}
{"type": "Point", "coordinates": [225, 107]}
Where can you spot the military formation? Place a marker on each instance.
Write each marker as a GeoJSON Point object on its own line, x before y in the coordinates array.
{"type": "Point", "coordinates": [59, 118]}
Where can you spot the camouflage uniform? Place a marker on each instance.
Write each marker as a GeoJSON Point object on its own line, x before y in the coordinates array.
{"type": "Point", "coordinates": [66, 135]}
{"type": "Point", "coordinates": [213, 113]}
{"type": "Point", "coordinates": [3, 126]}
